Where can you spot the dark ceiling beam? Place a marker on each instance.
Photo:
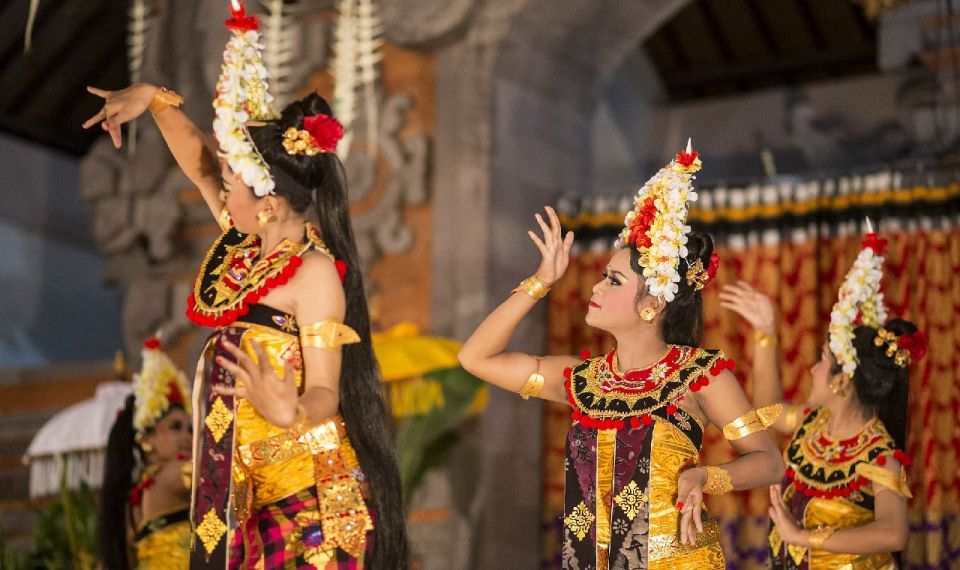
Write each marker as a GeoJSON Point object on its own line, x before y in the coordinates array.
{"type": "Point", "coordinates": [763, 27]}
{"type": "Point", "coordinates": [716, 30]}
{"type": "Point", "coordinates": [746, 72]}
{"type": "Point", "coordinates": [868, 30]}
{"type": "Point", "coordinates": [107, 68]}
{"type": "Point", "coordinates": [62, 58]}
{"type": "Point", "coordinates": [811, 24]}
{"type": "Point", "coordinates": [13, 19]}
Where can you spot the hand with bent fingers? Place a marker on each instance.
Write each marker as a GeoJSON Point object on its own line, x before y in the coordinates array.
{"type": "Point", "coordinates": [120, 107]}
{"type": "Point", "coordinates": [690, 503]}
{"type": "Point", "coordinates": [554, 250]}
{"type": "Point", "coordinates": [750, 304]}
{"type": "Point", "coordinates": [273, 397]}
{"type": "Point", "coordinates": [790, 532]}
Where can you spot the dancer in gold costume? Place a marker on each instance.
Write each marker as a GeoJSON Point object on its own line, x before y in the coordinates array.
{"type": "Point", "coordinates": [634, 482]}
{"type": "Point", "coordinates": [843, 501]}
{"type": "Point", "coordinates": [145, 499]}
{"type": "Point", "coordinates": [295, 466]}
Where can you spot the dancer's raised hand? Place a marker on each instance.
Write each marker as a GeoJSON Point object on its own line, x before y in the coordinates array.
{"type": "Point", "coordinates": [750, 304]}
{"type": "Point", "coordinates": [120, 107]}
{"type": "Point", "coordinates": [554, 249]}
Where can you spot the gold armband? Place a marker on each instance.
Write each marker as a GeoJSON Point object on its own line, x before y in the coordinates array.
{"type": "Point", "coordinates": [886, 479]}
{"type": "Point", "coordinates": [818, 536]}
{"type": "Point", "coordinates": [764, 339]}
{"type": "Point", "coordinates": [752, 422]}
{"type": "Point", "coordinates": [163, 99]}
{"type": "Point", "coordinates": [328, 334]}
{"type": "Point", "coordinates": [718, 481]}
{"type": "Point", "coordinates": [534, 287]}
{"type": "Point", "coordinates": [534, 383]}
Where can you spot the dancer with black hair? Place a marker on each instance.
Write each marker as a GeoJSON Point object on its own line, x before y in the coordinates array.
{"type": "Point", "coordinates": [634, 485]}
{"type": "Point", "coordinates": [843, 501]}
{"type": "Point", "coordinates": [144, 519]}
{"type": "Point", "coordinates": [295, 460]}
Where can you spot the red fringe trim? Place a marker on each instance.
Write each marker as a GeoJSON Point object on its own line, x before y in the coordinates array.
{"type": "Point", "coordinates": [212, 319]}
{"type": "Point", "coordinates": [840, 491]}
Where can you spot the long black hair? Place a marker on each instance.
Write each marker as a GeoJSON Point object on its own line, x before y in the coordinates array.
{"type": "Point", "coordinates": [881, 385]}
{"type": "Point", "coordinates": [118, 470]}
{"type": "Point", "coordinates": [320, 181]}
{"type": "Point", "coordinates": [683, 317]}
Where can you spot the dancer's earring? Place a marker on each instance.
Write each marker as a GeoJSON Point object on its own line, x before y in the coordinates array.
{"type": "Point", "coordinates": [648, 314]}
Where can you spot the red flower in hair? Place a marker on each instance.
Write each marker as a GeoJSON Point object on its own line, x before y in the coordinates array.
{"type": "Point", "coordinates": [686, 158]}
{"type": "Point", "coordinates": [915, 344]}
{"type": "Point", "coordinates": [240, 22]}
{"type": "Point", "coordinates": [876, 243]}
{"type": "Point", "coordinates": [325, 130]}
{"type": "Point", "coordinates": [152, 343]}
{"type": "Point", "coordinates": [712, 268]}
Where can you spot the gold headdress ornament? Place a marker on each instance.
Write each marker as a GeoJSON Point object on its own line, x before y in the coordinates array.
{"type": "Point", "coordinates": [657, 225]}
{"type": "Point", "coordinates": [158, 385]}
{"type": "Point", "coordinates": [860, 301]}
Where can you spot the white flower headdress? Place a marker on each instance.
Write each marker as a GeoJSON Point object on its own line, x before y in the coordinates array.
{"type": "Point", "coordinates": [657, 224]}
{"type": "Point", "coordinates": [860, 301]}
{"type": "Point", "coordinates": [159, 385]}
{"type": "Point", "coordinates": [242, 96]}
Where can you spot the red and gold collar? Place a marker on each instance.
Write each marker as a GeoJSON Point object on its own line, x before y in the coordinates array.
{"type": "Point", "coordinates": [234, 276]}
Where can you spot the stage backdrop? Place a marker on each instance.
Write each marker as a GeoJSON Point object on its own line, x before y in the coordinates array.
{"type": "Point", "coordinates": [795, 240]}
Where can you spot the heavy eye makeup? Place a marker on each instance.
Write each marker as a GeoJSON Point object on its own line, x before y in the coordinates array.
{"type": "Point", "coordinates": [610, 276]}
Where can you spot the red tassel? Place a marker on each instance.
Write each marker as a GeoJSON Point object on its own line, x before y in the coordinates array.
{"type": "Point", "coordinates": [567, 372]}
{"type": "Point", "coordinates": [671, 409]}
{"type": "Point", "coordinates": [341, 266]}
{"type": "Point", "coordinates": [903, 458]}
{"type": "Point", "coordinates": [882, 460]}
{"type": "Point", "coordinates": [152, 343]}
{"type": "Point", "coordinates": [584, 354]}
{"type": "Point", "coordinates": [634, 422]}
{"type": "Point", "coordinates": [646, 419]}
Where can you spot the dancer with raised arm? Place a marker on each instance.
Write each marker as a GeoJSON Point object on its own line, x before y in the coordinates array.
{"type": "Point", "coordinates": [843, 501]}
{"type": "Point", "coordinates": [634, 483]}
{"type": "Point", "coordinates": [295, 466]}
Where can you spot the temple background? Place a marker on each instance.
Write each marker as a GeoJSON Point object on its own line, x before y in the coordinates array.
{"type": "Point", "coordinates": [489, 110]}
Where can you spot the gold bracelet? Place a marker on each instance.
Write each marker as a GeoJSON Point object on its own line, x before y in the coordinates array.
{"type": "Point", "coordinates": [534, 287]}
{"type": "Point", "coordinates": [764, 339]}
{"type": "Point", "coordinates": [534, 383]}
{"type": "Point", "coordinates": [818, 535]}
{"type": "Point", "coordinates": [163, 99]}
{"type": "Point", "coordinates": [718, 481]}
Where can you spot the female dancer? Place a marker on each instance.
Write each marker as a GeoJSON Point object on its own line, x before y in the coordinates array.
{"type": "Point", "coordinates": [843, 502]}
{"type": "Point", "coordinates": [634, 486]}
{"type": "Point", "coordinates": [295, 466]}
{"type": "Point", "coordinates": [146, 525]}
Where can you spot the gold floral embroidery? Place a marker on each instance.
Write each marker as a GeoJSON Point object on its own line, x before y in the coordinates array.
{"type": "Point", "coordinates": [775, 541]}
{"type": "Point", "coordinates": [210, 530]}
{"type": "Point", "coordinates": [218, 419]}
{"type": "Point", "coordinates": [579, 520]}
{"type": "Point", "coordinates": [797, 553]}
{"type": "Point", "coordinates": [630, 499]}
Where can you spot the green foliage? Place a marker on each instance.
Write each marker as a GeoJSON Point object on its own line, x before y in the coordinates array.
{"type": "Point", "coordinates": [424, 441]}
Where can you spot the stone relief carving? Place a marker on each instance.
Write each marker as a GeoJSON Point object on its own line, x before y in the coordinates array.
{"type": "Point", "coordinates": [381, 228]}
{"type": "Point", "coordinates": [415, 23]}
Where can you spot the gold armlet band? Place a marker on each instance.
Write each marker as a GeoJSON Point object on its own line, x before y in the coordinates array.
{"type": "Point", "coordinates": [163, 99]}
{"type": "Point", "coordinates": [534, 287]}
{"type": "Point", "coordinates": [718, 481]}
{"type": "Point", "coordinates": [534, 383]}
{"type": "Point", "coordinates": [769, 414]}
{"type": "Point", "coordinates": [818, 536]}
{"type": "Point", "coordinates": [329, 334]}
{"type": "Point", "coordinates": [764, 339]}
{"type": "Point", "coordinates": [747, 424]}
